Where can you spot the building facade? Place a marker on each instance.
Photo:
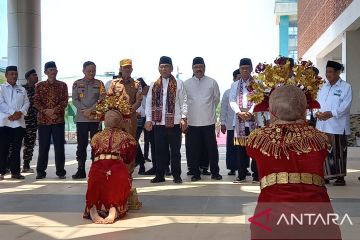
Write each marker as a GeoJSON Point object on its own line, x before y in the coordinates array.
{"type": "Point", "coordinates": [330, 30]}
{"type": "Point", "coordinates": [286, 18]}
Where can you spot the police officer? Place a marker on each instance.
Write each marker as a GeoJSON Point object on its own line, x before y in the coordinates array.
{"type": "Point", "coordinates": [30, 121]}
{"type": "Point", "coordinates": [85, 93]}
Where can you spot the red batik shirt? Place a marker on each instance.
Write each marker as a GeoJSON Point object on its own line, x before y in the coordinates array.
{"type": "Point", "coordinates": [51, 96]}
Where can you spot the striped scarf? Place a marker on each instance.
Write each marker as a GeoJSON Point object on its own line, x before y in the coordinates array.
{"type": "Point", "coordinates": [157, 102]}
{"type": "Point", "coordinates": [239, 133]}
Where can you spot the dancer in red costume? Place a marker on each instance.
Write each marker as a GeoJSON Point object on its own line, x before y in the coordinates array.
{"type": "Point", "coordinates": [290, 157]}
{"type": "Point", "coordinates": [109, 181]}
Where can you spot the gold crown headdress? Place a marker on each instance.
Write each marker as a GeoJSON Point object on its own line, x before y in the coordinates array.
{"type": "Point", "coordinates": [270, 76]}
{"type": "Point", "coordinates": [112, 102]}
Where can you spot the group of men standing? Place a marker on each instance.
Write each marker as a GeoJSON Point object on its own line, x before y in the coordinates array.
{"type": "Point", "coordinates": [170, 106]}
{"type": "Point", "coordinates": [333, 118]}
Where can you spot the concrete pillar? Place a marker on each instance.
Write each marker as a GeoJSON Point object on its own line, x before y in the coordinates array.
{"type": "Point", "coordinates": [24, 38]}
{"type": "Point", "coordinates": [351, 59]}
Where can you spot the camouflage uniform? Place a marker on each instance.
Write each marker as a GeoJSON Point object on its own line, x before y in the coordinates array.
{"type": "Point", "coordinates": [31, 128]}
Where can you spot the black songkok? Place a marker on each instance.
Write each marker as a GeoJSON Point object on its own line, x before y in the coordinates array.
{"type": "Point", "coordinates": [50, 65]}
{"type": "Point", "coordinates": [28, 73]}
{"type": "Point", "coordinates": [316, 70]}
{"type": "Point", "coordinates": [10, 68]}
{"type": "Point", "coordinates": [335, 65]}
{"type": "Point", "coordinates": [165, 60]}
{"type": "Point", "coordinates": [245, 61]}
{"type": "Point", "coordinates": [198, 60]}
{"type": "Point", "coordinates": [236, 72]}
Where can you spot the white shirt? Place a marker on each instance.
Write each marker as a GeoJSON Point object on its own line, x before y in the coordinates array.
{"type": "Point", "coordinates": [227, 115]}
{"type": "Point", "coordinates": [13, 99]}
{"type": "Point", "coordinates": [180, 102]}
{"type": "Point", "coordinates": [233, 99]}
{"type": "Point", "coordinates": [336, 98]}
{"type": "Point", "coordinates": [203, 97]}
{"type": "Point", "coordinates": [141, 108]}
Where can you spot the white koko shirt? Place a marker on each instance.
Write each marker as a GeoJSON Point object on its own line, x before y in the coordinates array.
{"type": "Point", "coordinates": [203, 97]}
{"type": "Point", "coordinates": [13, 99]}
{"type": "Point", "coordinates": [180, 102]}
{"type": "Point", "coordinates": [336, 98]}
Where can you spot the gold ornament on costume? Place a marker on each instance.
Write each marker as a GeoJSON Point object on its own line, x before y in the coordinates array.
{"type": "Point", "coordinates": [270, 76]}
{"type": "Point", "coordinates": [112, 102]}
{"type": "Point", "coordinates": [279, 139]}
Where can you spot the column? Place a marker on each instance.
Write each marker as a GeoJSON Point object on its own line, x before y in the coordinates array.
{"type": "Point", "coordinates": [24, 39]}
{"type": "Point", "coordinates": [351, 59]}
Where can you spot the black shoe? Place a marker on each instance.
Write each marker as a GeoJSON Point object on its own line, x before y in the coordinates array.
{"type": "Point", "coordinates": [40, 176]}
{"type": "Point", "coordinates": [167, 172]}
{"type": "Point", "coordinates": [17, 176]}
{"type": "Point", "coordinates": [148, 159]}
{"type": "Point", "coordinates": [141, 170]}
{"type": "Point", "coordinates": [80, 174]}
{"type": "Point", "coordinates": [248, 173]}
{"type": "Point", "coordinates": [240, 180]}
{"type": "Point", "coordinates": [177, 180]}
{"type": "Point", "coordinates": [216, 177]}
{"type": "Point", "coordinates": [189, 173]}
{"type": "Point", "coordinates": [27, 170]}
{"type": "Point", "coordinates": [157, 180]}
{"type": "Point", "coordinates": [206, 172]}
{"type": "Point", "coordinates": [231, 173]}
{"type": "Point", "coordinates": [62, 177]}
{"type": "Point", "coordinates": [340, 181]}
{"type": "Point", "coordinates": [151, 171]}
{"type": "Point", "coordinates": [195, 178]}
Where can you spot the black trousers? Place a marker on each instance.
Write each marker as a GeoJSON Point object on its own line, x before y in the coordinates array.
{"type": "Point", "coordinates": [167, 139]}
{"type": "Point", "coordinates": [83, 129]}
{"type": "Point", "coordinates": [149, 140]}
{"type": "Point", "coordinates": [202, 141]}
{"type": "Point", "coordinates": [243, 161]}
{"type": "Point", "coordinates": [139, 154]}
{"type": "Point", "coordinates": [10, 137]}
{"type": "Point", "coordinates": [57, 132]}
{"type": "Point", "coordinates": [204, 160]}
{"type": "Point", "coordinates": [231, 162]}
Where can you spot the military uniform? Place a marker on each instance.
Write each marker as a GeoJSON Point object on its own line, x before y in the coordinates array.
{"type": "Point", "coordinates": [31, 128]}
{"type": "Point", "coordinates": [129, 90]}
{"type": "Point", "coordinates": [85, 94]}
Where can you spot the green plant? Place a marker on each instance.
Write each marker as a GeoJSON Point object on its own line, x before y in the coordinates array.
{"type": "Point", "coordinates": [2, 77]}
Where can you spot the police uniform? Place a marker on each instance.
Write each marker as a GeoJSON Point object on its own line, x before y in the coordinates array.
{"type": "Point", "coordinates": [85, 94]}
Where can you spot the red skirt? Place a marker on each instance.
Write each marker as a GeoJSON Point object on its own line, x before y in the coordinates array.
{"type": "Point", "coordinates": [109, 186]}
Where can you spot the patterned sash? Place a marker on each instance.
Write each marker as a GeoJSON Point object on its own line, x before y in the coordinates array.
{"type": "Point", "coordinates": [157, 102]}
{"type": "Point", "coordinates": [239, 133]}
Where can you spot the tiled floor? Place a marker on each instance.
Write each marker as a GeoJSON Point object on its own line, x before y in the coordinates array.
{"type": "Point", "coordinates": [208, 209]}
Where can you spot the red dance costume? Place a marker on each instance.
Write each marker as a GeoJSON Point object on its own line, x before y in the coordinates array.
{"type": "Point", "coordinates": [109, 181]}
{"type": "Point", "coordinates": [290, 160]}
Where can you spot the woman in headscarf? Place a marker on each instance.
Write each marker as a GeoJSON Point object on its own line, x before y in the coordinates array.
{"type": "Point", "coordinates": [290, 157]}
{"type": "Point", "coordinates": [109, 181]}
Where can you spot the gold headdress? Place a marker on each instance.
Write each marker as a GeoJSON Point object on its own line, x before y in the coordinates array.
{"type": "Point", "coordinates": [112, 102]}
{"type": "Point", "coordinates": [270, 76]}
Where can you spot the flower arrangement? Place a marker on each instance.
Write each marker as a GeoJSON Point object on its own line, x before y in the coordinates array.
{"type": "Point", "coordinates": [270, 76]}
